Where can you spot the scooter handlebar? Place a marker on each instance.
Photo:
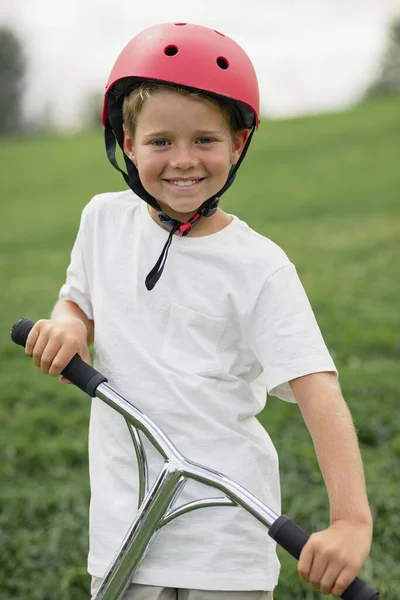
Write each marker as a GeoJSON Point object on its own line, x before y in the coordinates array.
{"type": "Point", "coordinates": [284, 531]}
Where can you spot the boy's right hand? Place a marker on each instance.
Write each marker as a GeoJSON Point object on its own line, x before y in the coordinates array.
{"type": "Point", "coordinates": [52, 345]}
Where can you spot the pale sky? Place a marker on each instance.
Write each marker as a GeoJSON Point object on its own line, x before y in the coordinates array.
{"type": "Point", "coordinates": [310, 55]}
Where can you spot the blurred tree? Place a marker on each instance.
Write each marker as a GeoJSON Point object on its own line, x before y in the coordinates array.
{"type": "Point", "coordinates": [388, 81]}
{"type": "Point", "coordinates": [92, 109]}
{"type": "Point", "coordinates": [12, 75]}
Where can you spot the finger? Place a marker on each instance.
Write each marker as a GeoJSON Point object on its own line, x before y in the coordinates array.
{"type": "Point", "coordinates": [38, 348]}
{"type": "Point", "coordinates": [61, 360]}
{"type": "Point", "coordinates": [63, 380]}
{"type": "Point", "coordinates": [305, 561]}
{"type": "Point", "coordinates": [85, 355]}
{"type": "Point", "coordinates": [318, 568]}
{"type": "Point", "coordinates": [31, 340]}
{"type": "Point", "coordinates": [48, 355]}
{"type": "Point", "coordinates": [328, 579]}
{"type": "Point", "coordinates": [343, 580]}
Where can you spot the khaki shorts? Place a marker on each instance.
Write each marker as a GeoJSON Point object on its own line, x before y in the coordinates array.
{"type": "Point", "coordinates": [151, 592]}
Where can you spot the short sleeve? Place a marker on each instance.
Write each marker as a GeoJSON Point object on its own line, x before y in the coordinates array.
{"type": "Point", "coordinates": [285, 335]}
{"type": "Point", "coordinates": [76, 287]}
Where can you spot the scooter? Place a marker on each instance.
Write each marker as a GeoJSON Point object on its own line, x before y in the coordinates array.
{"type": "Point", "coordinates": [157, 504]}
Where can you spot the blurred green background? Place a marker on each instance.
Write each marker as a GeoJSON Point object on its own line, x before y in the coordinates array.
{"type": "Point", "coordinates": [324, 188]}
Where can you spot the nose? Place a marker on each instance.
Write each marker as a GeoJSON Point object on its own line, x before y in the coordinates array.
{"type": "Point", "coordinates": [183, 157]}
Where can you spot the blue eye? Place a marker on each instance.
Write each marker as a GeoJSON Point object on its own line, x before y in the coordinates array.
{"type": "Point", "coordinates": [159, 143]}
{"type": "Point", "coordinates": [205, 140]}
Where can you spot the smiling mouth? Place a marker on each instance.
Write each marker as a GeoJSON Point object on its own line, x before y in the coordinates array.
{"type": "Point", "coordinates": [184, 183]}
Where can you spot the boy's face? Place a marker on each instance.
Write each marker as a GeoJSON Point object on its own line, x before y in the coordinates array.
{"type": "Point", "coordinates": [183, 149]}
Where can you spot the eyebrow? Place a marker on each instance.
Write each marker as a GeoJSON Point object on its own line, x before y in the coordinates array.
{"type": "Point", "coordinates": [197, 132]}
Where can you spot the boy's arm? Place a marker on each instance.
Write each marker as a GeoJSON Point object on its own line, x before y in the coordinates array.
{"type": "Point", "coordinates": [332, 558]}
{"type": "Point", "coordinates": [65, 310]}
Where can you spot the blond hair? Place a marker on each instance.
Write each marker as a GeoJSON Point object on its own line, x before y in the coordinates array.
{"type": "Point", "coordinates": [133, 103]}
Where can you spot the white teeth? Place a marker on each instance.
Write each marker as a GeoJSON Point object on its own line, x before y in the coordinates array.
{"type": "Point", "coordinates": [186, 182]}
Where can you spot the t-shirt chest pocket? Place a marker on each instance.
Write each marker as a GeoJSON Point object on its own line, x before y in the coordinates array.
{"type": "Point", "coordinates": [191, 340]}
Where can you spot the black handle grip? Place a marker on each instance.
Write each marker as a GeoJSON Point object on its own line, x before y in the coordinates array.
{"type": "Point", "coordinates": [77, 371]}
{"type": "Point", "coordinates": [292, 538]}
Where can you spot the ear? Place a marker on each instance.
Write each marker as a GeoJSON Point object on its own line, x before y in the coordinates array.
{"type": "Point", "coordinates": [128, 146]}
{"type": "Point", "coordinates": [239, 140]}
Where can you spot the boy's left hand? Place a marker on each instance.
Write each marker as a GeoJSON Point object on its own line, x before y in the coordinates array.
{"type": "Point", "coordinates": [332, 558]}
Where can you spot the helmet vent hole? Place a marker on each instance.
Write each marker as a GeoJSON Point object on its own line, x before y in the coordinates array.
{"type": "Point", "coordinates": [222, 62]}
{"type": "Point", "coordinates": [219, 33]}
{"type": "Point", "coordinates": [180, 24]}
{"type": "Point", "coordinates": [171, 50]}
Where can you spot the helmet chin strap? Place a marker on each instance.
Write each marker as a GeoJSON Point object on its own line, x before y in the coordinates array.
{"type": "Point", "coordinates": [174, 225]}
{"type": "Point", "coordinates": [206, 210]}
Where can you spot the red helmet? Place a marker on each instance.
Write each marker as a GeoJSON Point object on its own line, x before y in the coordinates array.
{"type": "Point", "coordinates": [192, 56]}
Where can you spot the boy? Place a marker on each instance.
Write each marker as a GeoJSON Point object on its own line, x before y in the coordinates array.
{"type": "Point", "coordinates": [198, 346]}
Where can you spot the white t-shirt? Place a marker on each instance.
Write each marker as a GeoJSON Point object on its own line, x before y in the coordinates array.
{"type": "Point", "coordinates": [227, 321]}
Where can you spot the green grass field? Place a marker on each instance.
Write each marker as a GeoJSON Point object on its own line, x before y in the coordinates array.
{"type": "Point", "coordinates": [326, 189]}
